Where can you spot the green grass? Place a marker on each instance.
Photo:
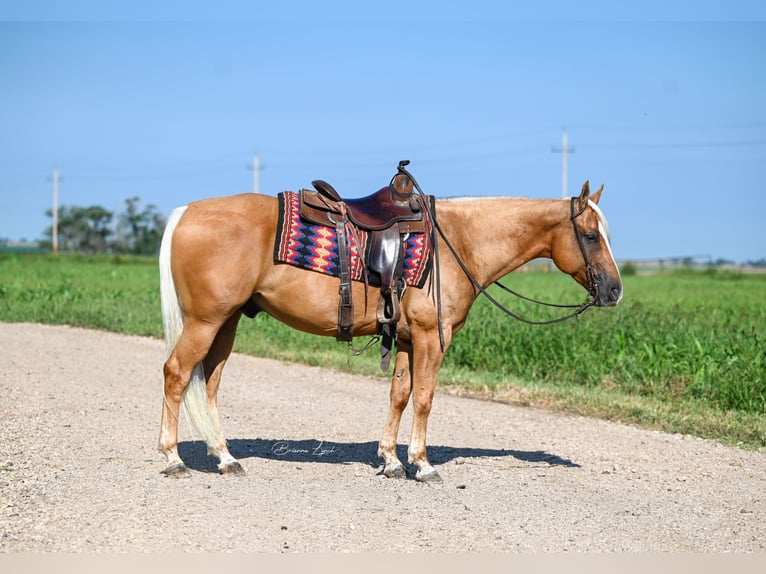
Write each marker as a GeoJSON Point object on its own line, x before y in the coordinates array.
{"type": "Point", "coordinates": [684, 352]}
{"type": "Point", "coordinates": [113, 293]}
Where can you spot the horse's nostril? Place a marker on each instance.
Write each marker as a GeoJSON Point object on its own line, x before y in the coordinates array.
{"type": "Point", "coordinates": [614, 292]}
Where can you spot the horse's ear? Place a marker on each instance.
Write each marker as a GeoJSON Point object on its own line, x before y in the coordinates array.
{"type": "Point", "coordinates": [596, 196]}
{"type": "Point", "coordinates": [582, 201]}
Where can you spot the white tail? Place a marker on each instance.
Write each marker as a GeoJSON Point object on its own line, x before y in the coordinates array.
{"type": "Point", "coordinates": [194, 399]}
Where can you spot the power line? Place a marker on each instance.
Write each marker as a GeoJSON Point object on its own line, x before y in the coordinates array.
{"type": "Point", "coordinates": [154, 177]}
{"type": "Point", "coordinates": [670, 128]}
{"type": "Point", "coordinates": [678, 145]}
{"type": "Point", "coordinates": [167, 173]}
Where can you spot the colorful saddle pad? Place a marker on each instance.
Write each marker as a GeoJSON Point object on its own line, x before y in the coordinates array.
{"type": "Point", "coordinates": [315, 247]}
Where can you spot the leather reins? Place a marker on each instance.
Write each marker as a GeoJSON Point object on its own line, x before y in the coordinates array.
{"type": "Point", "coordinates": [593, 287]}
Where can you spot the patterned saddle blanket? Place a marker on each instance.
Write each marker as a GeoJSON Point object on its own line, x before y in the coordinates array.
{"type": "Point", "coordinates": [315, 247]}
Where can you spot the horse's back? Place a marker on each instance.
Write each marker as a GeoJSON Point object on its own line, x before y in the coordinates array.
{"type": "Point", "coordinates": [227, 221]}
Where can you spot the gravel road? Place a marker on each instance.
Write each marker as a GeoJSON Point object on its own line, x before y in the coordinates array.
{"type": "Point", "coordinates": [79, 470]}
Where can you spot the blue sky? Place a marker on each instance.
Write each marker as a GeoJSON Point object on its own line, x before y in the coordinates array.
{"type": "Point", "coordinates": [664, 105]}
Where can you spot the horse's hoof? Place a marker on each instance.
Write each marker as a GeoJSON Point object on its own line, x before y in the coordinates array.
{"type": "Point", "coordinates": [177, 470]}
{"type": "Point", "coordinates": [396, 471]}
{"type": "Point", "coordinates": [233, 468]}
{"type": "Point", "coordinates": [431, 477]}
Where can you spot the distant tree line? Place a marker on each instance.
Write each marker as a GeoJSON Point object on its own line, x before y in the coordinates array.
{"type": "Point", "coordinates": [136, 230]}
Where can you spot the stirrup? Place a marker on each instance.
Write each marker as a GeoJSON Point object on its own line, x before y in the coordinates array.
{"type": "Point", "coordinates": [389, 311]}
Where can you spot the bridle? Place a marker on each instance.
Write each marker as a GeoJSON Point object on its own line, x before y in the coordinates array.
{"type": "Point", "coordinates": [590, 274]}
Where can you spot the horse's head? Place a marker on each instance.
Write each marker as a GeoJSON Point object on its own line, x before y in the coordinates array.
{"type": "Point", "coordinates": [580, 248]}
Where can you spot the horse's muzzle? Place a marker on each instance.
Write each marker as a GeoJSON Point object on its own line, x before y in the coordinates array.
{"type": "Point", "coordinates": [609, 294]}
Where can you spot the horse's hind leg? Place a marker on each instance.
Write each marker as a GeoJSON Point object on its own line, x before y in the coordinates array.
{"type": "Point", "coordinates": [168, 444]}
{"type": "Point", "coordinates": [189, 351]}
{"type": "Point", "coordinates": [214, 363]}
{"type": "Point", "coordinates": [401, 388]}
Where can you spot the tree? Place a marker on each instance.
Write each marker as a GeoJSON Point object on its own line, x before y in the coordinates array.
{"type": "Point", "coordinates": [82, 229]}
{"type": "Point", "coordinates": [89, 230]}
{"type": "Point", "coordinates": [139, 231]}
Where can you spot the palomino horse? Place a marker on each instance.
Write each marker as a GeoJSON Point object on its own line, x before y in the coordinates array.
{"type": "Point", "coordinates": [216, 263]}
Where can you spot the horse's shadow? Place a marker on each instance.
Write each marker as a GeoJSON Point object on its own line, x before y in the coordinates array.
{"type": "Point", "coordinates": [194, 453]}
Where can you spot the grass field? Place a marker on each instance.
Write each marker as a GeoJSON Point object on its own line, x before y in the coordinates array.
{"type": "Point", "coordinates": [684, 352]}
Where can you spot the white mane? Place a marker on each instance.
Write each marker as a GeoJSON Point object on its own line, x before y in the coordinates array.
{"type": "Point", "coordinates": [601, 219]}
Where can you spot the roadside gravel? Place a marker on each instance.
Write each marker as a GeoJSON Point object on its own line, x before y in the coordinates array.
{"type": "Point", "coordinates": [79, 470]}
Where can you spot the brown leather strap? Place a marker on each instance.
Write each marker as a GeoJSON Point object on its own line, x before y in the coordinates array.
{"type": "Point", "coordinates": [346, 305]}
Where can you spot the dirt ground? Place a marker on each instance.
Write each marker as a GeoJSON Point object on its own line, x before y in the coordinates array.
{"type": "Point", "coordinates": [79, 469]}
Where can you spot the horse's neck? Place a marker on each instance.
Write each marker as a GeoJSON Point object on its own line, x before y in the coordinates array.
{"type": "Point", "coordinates": [494, 236]}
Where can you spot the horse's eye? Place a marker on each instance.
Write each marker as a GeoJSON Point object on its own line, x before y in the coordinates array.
{"type": "Point", "coordinates": [591, 237]}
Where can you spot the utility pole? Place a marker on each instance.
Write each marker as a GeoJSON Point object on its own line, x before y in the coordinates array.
{"type": "Point", "coordinates": [55, 227]}
{"type": "Point", "coordinates": [564, 150]}
{"type": "Point", "coordinates": [256, 167]}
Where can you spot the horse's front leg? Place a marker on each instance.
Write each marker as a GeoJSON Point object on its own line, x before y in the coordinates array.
{"type": "Point", "coordinates": [401, 388]}
{"type": "Point", "coordinates": [427, 359]}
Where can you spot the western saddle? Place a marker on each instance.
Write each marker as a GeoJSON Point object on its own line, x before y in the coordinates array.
{"type": "Point", "coordinates": [388, 216]}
